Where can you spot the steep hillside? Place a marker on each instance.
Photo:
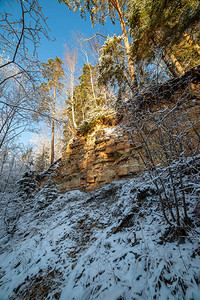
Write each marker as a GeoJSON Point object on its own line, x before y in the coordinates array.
{"type": "Point", "coordinates": [77, 232]}
{"type": "Point", "coordinates": [112, 243]}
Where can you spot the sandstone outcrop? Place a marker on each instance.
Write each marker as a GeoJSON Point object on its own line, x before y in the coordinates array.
{"type": "Point", "coordinates": [96, 160]}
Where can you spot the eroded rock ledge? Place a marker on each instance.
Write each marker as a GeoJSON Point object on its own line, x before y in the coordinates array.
{"type": "Point", "coordinates": [93, 161]}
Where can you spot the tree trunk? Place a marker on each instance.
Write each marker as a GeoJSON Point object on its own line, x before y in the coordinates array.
{"type": "Point", "coordinates": [126, 43]}
{"type": "Point", "coordinates": [172, 63]}
{"type": "Point", "coordinates": [4, 159]}
{"type": "Point", "coordinates": [190, 40]}
{"type": "Point", "coordinates": [175, 62]}
{"type": "Point", "coordinates": [53, 126]}
{"type": "Point", "coordinates": [169, 66]}
{"type": "Point", "coordinates": [91, 79]}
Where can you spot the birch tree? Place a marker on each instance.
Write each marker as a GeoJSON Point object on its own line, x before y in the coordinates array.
{"type": "Point", "coordinates": [70, 62]}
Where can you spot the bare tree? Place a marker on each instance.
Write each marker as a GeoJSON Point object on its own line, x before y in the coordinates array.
{"type": "Point", "coordinates": [22, 24]}
{"type": "Point", "coordinates": [17, 108]}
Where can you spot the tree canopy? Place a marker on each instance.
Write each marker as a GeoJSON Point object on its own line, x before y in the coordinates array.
{"type": "Point", "coordinates": [53, 71]}
{"type": "Point", "coordinates": [161, 24]}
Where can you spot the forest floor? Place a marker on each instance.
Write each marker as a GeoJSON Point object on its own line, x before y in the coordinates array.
{"type": "Point", "coordinates": [111, 243]}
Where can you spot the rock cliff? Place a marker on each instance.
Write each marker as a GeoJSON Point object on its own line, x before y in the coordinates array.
{"type": "Point", "coordinates": [97, 159]}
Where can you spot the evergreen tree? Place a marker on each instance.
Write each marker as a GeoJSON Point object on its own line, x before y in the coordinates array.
{"type": "Point", "coordinates": [113, 70]}
{"type": "Point", "coordinates": [84, 102]}
{"type": "Point", "coordinates": [163, 25]}
{"type": "Point", "coordinates": [27, 185]}
{"type": "Point", "coordinates": [53, 72]}
{"type": "Point", "coordinates": [83, 95]}
{"type": "Point", "coordinates": [46, 195]}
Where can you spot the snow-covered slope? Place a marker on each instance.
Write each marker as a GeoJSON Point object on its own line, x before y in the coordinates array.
{"type": "Point", "coordinates": [107, 244]}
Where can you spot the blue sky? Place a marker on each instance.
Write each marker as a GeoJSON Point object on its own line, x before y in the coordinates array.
{"type": "Point", "coordinates": [63, 23]}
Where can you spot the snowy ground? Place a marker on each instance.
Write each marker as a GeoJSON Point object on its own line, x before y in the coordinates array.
{"type": "Point", "coordinates": [106, 244]}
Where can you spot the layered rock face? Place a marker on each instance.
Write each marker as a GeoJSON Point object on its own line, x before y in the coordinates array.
{"type": "Point", "coordinates": [92, 162]}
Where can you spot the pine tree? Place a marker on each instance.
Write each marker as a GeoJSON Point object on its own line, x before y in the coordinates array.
{"type": "Point", "coordinates": [113, 71]}
{"type": "Point", "coordinates": [53, 72]}
{"type": "Point", "coordinates": [27, 185]}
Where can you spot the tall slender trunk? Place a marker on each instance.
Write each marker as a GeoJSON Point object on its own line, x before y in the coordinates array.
{"type": "Point", "coordinates": [171, 61]}
{"type": "Point", "coordinates": [126, 41]}
{"type": "Point", "coordinates": [92, 83]}
{"type": "Point", "coordinates": [4, 159]}
{"type": "Point", "coordinates": [180, 70]}
{"type": "Point", "coordinates": [127, 47]}
{"type": "Point", "coordinates": [53, 126]}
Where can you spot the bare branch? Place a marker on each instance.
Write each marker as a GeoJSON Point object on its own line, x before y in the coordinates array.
{"type": "Point", "coordinates": [104, 36]}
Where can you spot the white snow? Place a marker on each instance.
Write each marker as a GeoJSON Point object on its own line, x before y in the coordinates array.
{"type": "Point", "coordinates": [79, 235]}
